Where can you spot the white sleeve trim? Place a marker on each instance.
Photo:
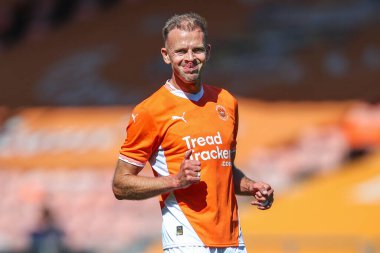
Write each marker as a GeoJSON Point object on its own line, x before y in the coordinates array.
{"type": "Point", "coordinates": [131, 161]}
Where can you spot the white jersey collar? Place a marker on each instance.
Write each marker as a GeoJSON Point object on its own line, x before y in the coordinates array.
{"type": "Point", "coordinates": [180, 93]}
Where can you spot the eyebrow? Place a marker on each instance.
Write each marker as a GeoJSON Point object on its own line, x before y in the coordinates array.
{"type": "Point", "coordinates": [185, 48]}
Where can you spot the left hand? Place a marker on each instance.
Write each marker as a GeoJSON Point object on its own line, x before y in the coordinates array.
{"type": "Point", "coordinates": [263, 194]}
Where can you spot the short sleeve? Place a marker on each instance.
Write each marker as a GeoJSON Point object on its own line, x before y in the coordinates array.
{"type": "Point", "coordinates": [141, 138]}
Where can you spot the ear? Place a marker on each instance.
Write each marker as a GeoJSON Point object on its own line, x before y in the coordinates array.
{"type": "Point", "coordinates": [208, 51]}
{"type": "Point", "coordinates": [165, 55]}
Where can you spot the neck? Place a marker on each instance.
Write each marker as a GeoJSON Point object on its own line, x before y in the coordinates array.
{"type": "Point", "coordinates": [191, 87]}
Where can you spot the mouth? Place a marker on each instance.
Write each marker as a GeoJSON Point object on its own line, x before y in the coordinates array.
{"type": "Point", "coordinates": [190, 69]}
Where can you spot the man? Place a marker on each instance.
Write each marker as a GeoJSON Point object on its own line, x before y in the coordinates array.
{"type": "Point", "coordinates": [187, 131]}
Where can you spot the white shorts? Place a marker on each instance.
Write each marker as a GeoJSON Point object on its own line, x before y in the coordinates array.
{"type": "Point", "coordinates": [200, 249]}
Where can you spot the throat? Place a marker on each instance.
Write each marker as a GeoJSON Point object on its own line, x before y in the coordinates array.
{"type": "Point", "coordinates": [188, 87]}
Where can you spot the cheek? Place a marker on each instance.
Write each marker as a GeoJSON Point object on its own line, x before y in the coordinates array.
{"type": "Point", "coordinates": [176, 60]}
{"type": "Point", "coordinates": [202, 58]}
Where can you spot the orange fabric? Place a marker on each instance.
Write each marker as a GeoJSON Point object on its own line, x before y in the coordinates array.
{"type": "Point", "coordinates": [209, 127]}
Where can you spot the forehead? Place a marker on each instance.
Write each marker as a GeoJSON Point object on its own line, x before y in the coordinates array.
{"type": "Point", "coordinates": [178, 37]}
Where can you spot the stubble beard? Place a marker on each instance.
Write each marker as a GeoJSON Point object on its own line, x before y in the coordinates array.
{"type": "Point", "coordinates": [190, 77]}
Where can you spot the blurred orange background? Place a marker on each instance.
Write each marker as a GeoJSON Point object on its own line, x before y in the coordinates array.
{"type": "Point", "coordinates": [306, 75]}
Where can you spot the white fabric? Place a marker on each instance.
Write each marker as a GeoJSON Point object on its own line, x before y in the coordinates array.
{"type": "Point", "coordinates": [172, 217]}
{"type": "Point", "coordinates": [180, 93]}
{"type": "Point", "coordinates": [131, 161]}
{"type": "Point", "coordinates": [240, 249]}
{"type": "Point", "coordinates": [158, 162]}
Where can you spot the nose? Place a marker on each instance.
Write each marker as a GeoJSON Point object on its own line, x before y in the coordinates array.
{"type": "Point", "coordinates": [189, 55]}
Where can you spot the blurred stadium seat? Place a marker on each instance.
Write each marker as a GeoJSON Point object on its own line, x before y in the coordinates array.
{"type": "Point", "coordinates": [274, 51]}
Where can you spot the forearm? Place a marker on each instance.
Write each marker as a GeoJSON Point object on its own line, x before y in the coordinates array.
{"type": "Point", "coordinates": [241, 182]}
{"type": "Point", "coordinates": [135, 187]}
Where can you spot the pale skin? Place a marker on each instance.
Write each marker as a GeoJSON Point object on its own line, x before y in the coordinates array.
{"type": "Point", "coordinates": [187, 53]}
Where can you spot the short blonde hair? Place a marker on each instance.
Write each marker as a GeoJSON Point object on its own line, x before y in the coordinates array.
{"type": "Point", "coordinates": [185, 22]}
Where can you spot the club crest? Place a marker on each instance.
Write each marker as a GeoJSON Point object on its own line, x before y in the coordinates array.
{"type": "Point", "coordinates": [222, 113]}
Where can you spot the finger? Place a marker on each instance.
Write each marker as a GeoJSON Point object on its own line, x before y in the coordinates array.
{"type": "Point", "coordinates": [193, 163]}
{"type": "Point", "coordinates": [269, 197]}
{"type": "Point", "coordinates": [193, 171]}
{"type": "Point", "coordinates": [270, 194]}
{"type": "Point", "coordinates": [197, 173]}
{"type": "Point", "coordinates": [265, 189]}
{"type": "Point", "coordinates": [192, 166]}
{"type": "Point", "coordinates": [194, 178]}
{"type": "Point", "coordinates": [188, 154]}
{"type": "Point", "coordinates": [255, 203]}
{"type": "Point", "coordinates": [260, 199]}
{"type": "Point", "coordinates": [260, 205]}
{"type": "Point", "coordinates": [263, 201]}
{"type": "Point", "coordinates": [262, 187]}
{"type": "Point", "coordinates": [263, 207]}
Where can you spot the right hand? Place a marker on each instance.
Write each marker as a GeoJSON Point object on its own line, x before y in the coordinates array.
{"type": "Point", "coordinates": [189, 172]}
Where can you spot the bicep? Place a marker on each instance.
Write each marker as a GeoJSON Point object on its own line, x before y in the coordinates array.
{"type": "Point", "coordinates": [120, 180]}
{"type": "Point", "coordinates": [124, 168]}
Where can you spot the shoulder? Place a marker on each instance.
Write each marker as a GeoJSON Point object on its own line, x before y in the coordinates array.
{"type": "Point", "coordinates": [222, 94]}
{"type": "Point", "coordinates": [153, 102]}
{"type": "Point", "coordinates": [152, 97]}
{"type": "Point", "coordinates": [156, 106]}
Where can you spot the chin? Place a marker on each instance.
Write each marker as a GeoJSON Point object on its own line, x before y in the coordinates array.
{"type": "Point", "coordinates": [193, 79]}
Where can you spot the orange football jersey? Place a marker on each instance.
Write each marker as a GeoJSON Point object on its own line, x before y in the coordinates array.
{"type": "Point", "coordinates": [161, 129]}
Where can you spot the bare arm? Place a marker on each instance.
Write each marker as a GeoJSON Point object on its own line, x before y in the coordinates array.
{"type": "Point", "coordinates": [127, 184]}
{"type": "Point", "coordinates": [262, 192]}
{"type": "Point", "coordinates": [241, 182]}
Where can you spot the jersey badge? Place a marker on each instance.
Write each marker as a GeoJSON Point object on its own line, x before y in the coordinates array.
{"type": "Point", "coordinates": [222, 113]}
{"type": "Point", "coordinates": [179, 230]}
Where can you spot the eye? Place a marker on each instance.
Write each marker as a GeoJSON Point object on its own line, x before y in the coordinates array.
{"type": "Point", "coordinates": [199, 50]}
{"type": "Point", "coordinates": [180, 52]}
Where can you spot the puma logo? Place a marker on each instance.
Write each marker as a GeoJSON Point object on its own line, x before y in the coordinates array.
{"type": "Point", "coordinates": [134, 117]}
{"type": "Point", "coordinates": [180, 117]}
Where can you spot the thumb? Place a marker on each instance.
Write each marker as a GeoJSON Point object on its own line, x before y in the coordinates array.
{"type": "Point", "coordinates": [256, 187]}
{"type": "Point", "coordinates": [188, 154]}
{"type": "Point", "coordinates": [259, 187]}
